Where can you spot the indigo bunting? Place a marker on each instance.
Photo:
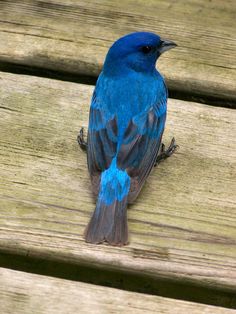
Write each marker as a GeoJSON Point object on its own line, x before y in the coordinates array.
{"type": "Point", "coordinates": [126, 123]}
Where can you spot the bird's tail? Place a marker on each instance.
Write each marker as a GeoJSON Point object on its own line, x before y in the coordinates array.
{"type": "Point", "coordinates": [109, 220]}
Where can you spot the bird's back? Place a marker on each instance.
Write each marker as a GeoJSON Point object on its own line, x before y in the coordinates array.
{"type": "Point", "coordinates": [127, 121]}
{"type": "Point", "coordinates": [129, 96]}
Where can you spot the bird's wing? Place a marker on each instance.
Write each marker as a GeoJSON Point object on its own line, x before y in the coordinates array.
{"type": "Point", "coordinates": [102, 141]}
{"type": "Point", "coordinates": [141, 144]}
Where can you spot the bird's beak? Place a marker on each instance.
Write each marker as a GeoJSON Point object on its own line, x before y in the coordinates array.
{"type": "Point", "coordinates": [166, 45]}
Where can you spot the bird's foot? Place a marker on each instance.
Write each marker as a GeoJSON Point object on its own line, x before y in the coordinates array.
{"type": "Point", "coordinates": [165, 153]}
{"type": "Point", "coordinates": [81, 141]}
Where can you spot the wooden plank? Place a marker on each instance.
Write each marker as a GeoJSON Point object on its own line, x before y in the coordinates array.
{"type": "Point", "coordinates": [73, 36]}
{"type": "Point", "coordinates": [183, 225]}
{"type": "Point", "coordinates": [29, 293]}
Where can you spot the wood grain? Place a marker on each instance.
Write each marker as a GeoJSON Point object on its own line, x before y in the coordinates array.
{"type": "Point", "coordinates": [29, 293]}
{"type": "Point", "coordinates": [73, 36]}
{"type": "Point", "coordinates": [183, 225]}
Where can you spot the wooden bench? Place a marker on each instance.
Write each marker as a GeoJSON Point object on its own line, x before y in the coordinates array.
{"type": "Point", "coordinates": [183, 225]}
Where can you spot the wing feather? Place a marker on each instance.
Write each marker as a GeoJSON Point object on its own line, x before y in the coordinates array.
{"type": "Point", "coordinates": [141, 145]}
{"type": "Point", "coordinates": [102, 142]}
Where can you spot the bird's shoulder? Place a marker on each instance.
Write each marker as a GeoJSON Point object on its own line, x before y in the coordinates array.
{"type": "Point", "coordinates": [135, 92]}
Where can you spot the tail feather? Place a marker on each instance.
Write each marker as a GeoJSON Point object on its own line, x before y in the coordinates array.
{"type": "Point", "coordinates": [108, 223]}
{"type": "Point", "coordinates": [109, 220]}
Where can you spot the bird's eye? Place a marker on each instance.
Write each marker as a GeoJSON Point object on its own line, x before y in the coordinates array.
{"type": "Point", "coordinates": [146, 49]}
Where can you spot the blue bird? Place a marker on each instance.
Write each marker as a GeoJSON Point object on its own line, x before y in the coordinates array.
{"type": "Point", "coordinates": [126, 123]}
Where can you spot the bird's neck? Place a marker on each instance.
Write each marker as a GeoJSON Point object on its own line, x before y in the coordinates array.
{"type": "Point", "coordinates": [120, 69]}
{"type": "Point", "coordinates": [112, 69]}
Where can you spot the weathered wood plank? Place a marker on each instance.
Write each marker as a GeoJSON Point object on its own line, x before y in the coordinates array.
{"type": "Point", "coordinates": [29, 293]}
{"type": "Point", "coordinates": [73, 36]}
{"type": "Point", "coordinates": [183, 225]}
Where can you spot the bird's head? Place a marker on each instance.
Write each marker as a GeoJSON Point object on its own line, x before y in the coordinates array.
{"type": "Point", "coordinates": [137, 51]}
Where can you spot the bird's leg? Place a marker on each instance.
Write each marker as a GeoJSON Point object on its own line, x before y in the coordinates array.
{"type": "Point", "coordinates": [165, 153]}
{"type": "Point", "coordinates": [80, 138]}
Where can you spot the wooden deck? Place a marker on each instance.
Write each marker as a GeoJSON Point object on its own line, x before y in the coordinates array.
{"type": "Point", "coordinates": [73, 36]}
{"type": "Point", "coordinates": [183, 225]}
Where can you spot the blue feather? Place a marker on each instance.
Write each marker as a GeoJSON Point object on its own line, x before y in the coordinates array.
{"type": "Point", "coordinates": [127, 120]}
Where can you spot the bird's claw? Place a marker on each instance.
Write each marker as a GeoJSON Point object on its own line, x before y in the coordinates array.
{"type": "Point", "coordinates": [81, 141]}
{"type": "Point", "coordinates": [166, 153]}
